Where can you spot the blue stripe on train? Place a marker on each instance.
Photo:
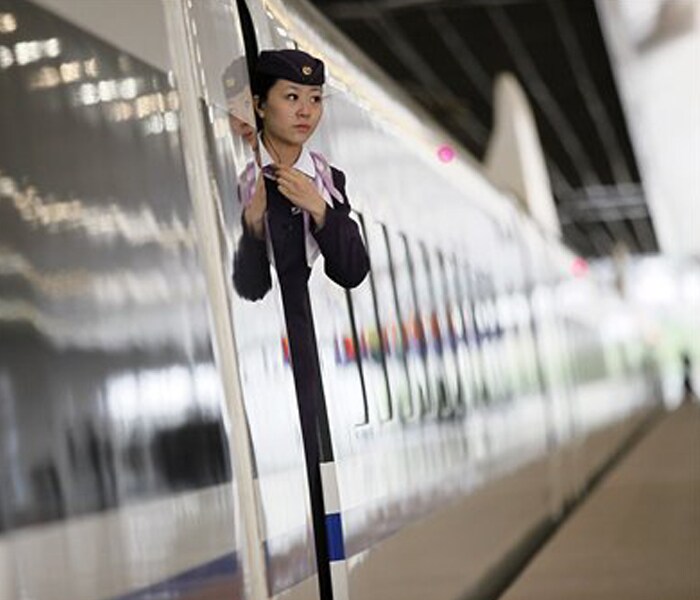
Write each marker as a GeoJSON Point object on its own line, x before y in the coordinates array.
{"type": "Point", "coordinates": [188, 581]}
{"type": "Point", "coordinates": [334, 530]}
{"type": "Point", "coordinates": [181, 585]}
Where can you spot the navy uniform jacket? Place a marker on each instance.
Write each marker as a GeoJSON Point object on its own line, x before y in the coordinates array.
{"type": "Point", "coordinates": [339, 240]}
{"type": "Point", "coordinates": [346, 263]}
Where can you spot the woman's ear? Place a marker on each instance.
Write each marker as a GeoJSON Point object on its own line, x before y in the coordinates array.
{"type": "Point", "coordinates": [258, 106]}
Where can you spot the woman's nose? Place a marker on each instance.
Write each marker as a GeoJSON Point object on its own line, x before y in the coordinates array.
{"type": "Point", "coordinates": [304, 108]}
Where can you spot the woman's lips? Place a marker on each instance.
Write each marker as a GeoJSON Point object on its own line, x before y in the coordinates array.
{"type": "Point", "coordinates": [304, 128]}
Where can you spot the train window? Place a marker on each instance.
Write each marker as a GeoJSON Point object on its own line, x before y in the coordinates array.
{"type": "Point", "coordinates": [338, 342]}
{"type": "Point", "coordinates": [500, 346]}
{"type": "Point", "coordinates": [550, 358]}
{"type": "Point", "coordinates": [523, 356]}
{"type": "Point", "coordinates": [483, 335]}
{"type": "Point", "coordinates": [526, 343]}
{"type": "Point", "coordinates": [444, 300]}
{"type": "Point", "coordinates": [523, 352]}
{"type": "Point", "coordinates": [506, 279]}
{"type": "Point", "coordinates": [538, 380]}
{"type": "Point", "coordinates": [487, 334]}
{"type": "Point", "coordinates": [430, 329]}
{"type": "Point", "coordinates": [508, 342]}
{"type": "Point", "coordinates": [528, 325]}
{"type": "Point", "coordinates": [465, 283]}
{"type": "Point", "coordinates": [371, 355]}
{"type": "Point", "coordinates": [393, 339]}
{"type": "Point", "coordinates": [410, 326]}
{"type": "Point", "coordinates": [459, 328]}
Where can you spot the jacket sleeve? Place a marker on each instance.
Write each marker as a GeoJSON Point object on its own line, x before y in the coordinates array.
{"type": "Point", "coordinates": [340, 242]}
{"type": "Point", "coordinates": [251, 267]}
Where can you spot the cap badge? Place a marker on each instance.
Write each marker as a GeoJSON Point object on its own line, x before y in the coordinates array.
{"type": "Point", "coordinates": [306, 70]}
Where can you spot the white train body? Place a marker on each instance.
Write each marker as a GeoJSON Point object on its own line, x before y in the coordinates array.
{"type": "Point", "coordinates": [471, 359]}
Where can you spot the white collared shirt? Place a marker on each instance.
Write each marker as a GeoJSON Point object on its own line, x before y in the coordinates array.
{"type": "Point", "coordinates": [304, 163]}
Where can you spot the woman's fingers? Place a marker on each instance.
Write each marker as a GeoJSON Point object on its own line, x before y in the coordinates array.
{"type": "Point", "coordinates": [259, 196]}
{"type": "Point", "coordinates": [260, 184]}
{"type": "Point", "coordinates": [295, 185]}
{"type": "Point", "coordinates": [301, 191]}
{"type": "Point", "coordinates": [290, 177]}
{"type": "Point", "coordinates": [254, 213]}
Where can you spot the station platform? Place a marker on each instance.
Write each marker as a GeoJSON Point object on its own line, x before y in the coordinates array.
{"type": "Point", "coordinates": [637, 535]}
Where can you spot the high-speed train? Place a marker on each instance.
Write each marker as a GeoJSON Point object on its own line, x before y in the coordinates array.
{"type": "Point", "coordinates": [150, 448]}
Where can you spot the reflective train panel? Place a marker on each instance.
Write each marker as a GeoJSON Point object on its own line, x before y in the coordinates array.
{"type": "Point", "coordinates": [150, 445]}
{"type": "Point", "coordinates": [116, 474]}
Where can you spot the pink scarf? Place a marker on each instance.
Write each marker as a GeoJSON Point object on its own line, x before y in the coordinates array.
{"type": "Point", "coordinates": [326, 188]}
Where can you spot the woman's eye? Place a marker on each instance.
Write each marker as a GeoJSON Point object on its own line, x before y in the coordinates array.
{"type": "Point", "coordinates": [316, 99]}
{"type": "Point", "coordinates": [292, 97]}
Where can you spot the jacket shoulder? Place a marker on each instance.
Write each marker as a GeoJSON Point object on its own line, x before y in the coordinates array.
{"type": "Point", "coordinates": [338, 178]}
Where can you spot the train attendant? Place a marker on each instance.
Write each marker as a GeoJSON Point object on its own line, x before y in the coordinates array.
{"type": "Point", "coordinates": [297, 210]}
{"type": "Point", "coordinates": [298, 206]}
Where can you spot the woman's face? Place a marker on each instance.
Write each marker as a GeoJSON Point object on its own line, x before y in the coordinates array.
{"type": "Point", "coordinates": [243, 129]}
{"type": "Point", "coordinates": [291, 112]}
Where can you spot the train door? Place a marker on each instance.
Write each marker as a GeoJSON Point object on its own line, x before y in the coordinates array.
{"type": "Point", "coordinates": [216, 43]}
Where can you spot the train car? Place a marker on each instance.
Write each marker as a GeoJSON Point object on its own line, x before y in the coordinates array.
{"type": "Point", "coordinates": [475, 383]}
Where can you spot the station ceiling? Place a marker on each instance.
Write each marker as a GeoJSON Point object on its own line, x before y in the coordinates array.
{"type": "Point", "coordinates": [447, 54]}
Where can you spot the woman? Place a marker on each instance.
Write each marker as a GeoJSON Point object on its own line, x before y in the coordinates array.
{"type": "Point", "coordinates": [298, 206]}
{"type": "Point", "coordinates": [297, 210]}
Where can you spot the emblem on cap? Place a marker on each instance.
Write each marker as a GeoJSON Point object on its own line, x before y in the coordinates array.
{"type": "Point", "coordinates": [307, 70]}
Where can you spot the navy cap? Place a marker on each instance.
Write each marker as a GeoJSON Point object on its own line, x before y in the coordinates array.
{"type": "Point", "coordinates": [235, 78]}
{"type": "Point", "coordinates": [239, 98]}
{"type": "Point", "coordinates": [293, 65]}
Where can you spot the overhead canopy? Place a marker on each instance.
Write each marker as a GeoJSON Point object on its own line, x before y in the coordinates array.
{"type": "Point", "coordinates": [448, 54]}
{"type": "Point", "coordinates": [655, 47]}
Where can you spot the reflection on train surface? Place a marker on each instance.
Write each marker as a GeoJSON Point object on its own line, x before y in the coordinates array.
{"type": "Point", "coordinates": [470, 354]}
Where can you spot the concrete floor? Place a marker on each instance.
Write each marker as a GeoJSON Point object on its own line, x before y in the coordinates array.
{"type": "Point", "coordinates": [637, 537]}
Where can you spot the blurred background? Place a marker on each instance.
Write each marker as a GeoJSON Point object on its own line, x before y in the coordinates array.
{"type": "Point", "coordinates": [126, 398]}
{"type": "Point", "coordinates": [614, 87]}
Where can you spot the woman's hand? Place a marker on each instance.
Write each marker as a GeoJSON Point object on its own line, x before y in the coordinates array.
{"type": "Point", "coordinates": [301, 190]}
{"type": "Point", "coordinates": [254, 213]}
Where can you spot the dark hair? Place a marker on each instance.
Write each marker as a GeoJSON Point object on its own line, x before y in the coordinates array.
{"type": "Point", "coordinates": [261, 84]}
